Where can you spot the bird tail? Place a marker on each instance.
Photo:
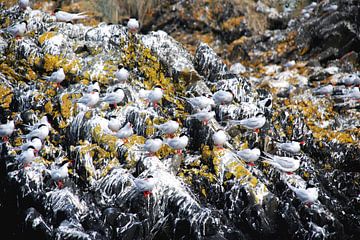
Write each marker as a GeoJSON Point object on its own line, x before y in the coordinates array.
{"type": "Point", "coordinates": [80, 16]}
{"type": "Point", "coordinates": [47, 78]}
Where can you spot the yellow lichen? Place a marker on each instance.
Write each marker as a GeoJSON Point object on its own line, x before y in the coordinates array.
{"type": "Point", "coordinates": [45, 36]}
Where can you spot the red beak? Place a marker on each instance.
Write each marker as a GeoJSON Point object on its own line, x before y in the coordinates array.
{"type": "Point", "coordinates": [302, 142]}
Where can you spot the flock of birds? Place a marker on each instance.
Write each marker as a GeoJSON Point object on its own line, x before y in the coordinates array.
{"type": "Point", "coordinates": [202, 106]}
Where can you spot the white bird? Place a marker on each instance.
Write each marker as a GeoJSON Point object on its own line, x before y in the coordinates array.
{"type": "Point", "coordinates": [145, 185]}
{"type": "Point", "coordinates": [6, 130]}
{"type": "Point", "coordinates": [254, 123]}
{"type": "Point", "coordinates": [222, 97]}
{"type": "Point", "coordinates": [114, 97]}
{"type": "Point", "coordinates": [219, 138]}
{"type": "Point", "coordinates": [249, 155]}
{"type": "Point", "coordinates": [351, 79]}
{"type": "Point", "coordinates": [290, 64]}
{"type": "Point", "coordinates": [237, 68]}
{"type": "Point", "coordinates": [177, 143]}
{"type": "Point", "coordinates": [89, 99]}
{"type": "Point", "coordinates": [43, 120]}
{"type": "Point", "coordinates": [17, 30]}
{"type": "Point", "coordinates": [92, 87]}
{"type": "Point", "coordinates": [62, 16]}
{"type": "Point", "coordinates": [203, 116]}
{"type": "Point", "coordinates": [59, 174]}
{"type": "Point", "coordinates": [114, 124]}
{"type": "Point", "coordinates": [155, 96]}
{"type": "Point", "coordinates": [26, 157]}
{"type": "Point", "coordinates": [35, 142]}
{"type": "Point", "coordinates": [351, 94]}
{"type": "Point", "coordinates": [285, 164]}
{"type": "Point", "coordinates": [41, 132]}
{"type": "Point", "coordinates": [152, 145]}
{"type": "Point", "coordinates": [125, 132]}
{"type": "Point", "coordinates": [201, 102]}
{"type": "Point", "coordinates": [331, 8]}
{"type": "Point", "coordinates": [133, 25]}
{"type": "Point", "coordinates": [56, 77]}
{"type": "Point", "coordinates": [122, 75]}
{"type": "Point", "coordinates": [169, 128]}
{"type": "Point", "coordinates": [307, 196]}
{"type": "Point", "coordinates": [23, 4]}
{"type": "Point", "coordinates": [324, 90]}
{"type": "Point", "coordinates": [290, 147]}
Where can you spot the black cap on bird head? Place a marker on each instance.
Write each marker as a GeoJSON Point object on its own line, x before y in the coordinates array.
{"type": "Point", "coordinates": [117, 88]}
{"type": "Point", "coordinates": [24, 21]}
{"type": "Point", "coordinates": [30, 147]}
{"type": "Point", "coordinates": [182, 134]}
{"type": "Point", "coordinates": [95, 90]}
{"type": "Point", "coordinates": [149, 176]}
{"type": "Point", "coordinates": [42, 125]}
{"type": "Point", "coordinates": [112, 116]}
{"type": "Point", "coordinates": [259, 114]}
{"type": "Point", "coordinates": [35, 137]}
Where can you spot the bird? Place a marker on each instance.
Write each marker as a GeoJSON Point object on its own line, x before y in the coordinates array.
{"type": "Point", "coordinates": [6, 129]}
{"type": "Point", "coordinates": [114, 123]}
{"type": "Point", "coordinates": [351, 79]}
{"type": "Point", "coordinates": [133, 25]}
{"type": "Point", "coordinates": [56, 77]}
{"type": "Point", "coordinates": [203, 116]}
{"type": "Point", "coordinates": [285, 164]}
{"type": "Point", "coordinates": [152, 145]}
{"type": "Point", "coordinates": [200, 102]}
{"type": "Point", "coordinates": [145, 185]}
{"type": "Point", "coordinates": [17, 30]}
{"type": "Point", "coordinates": [26, 157]}
{"type": "Point", "coordinates": [62, 16]}
{"type": "Point", "coordinates": [155, 95]}
{"type": "Point", "coordinates": [169, 127]}
{"type": "Point", "coordinates": [253, 123]}
{"type": "Point", "coordinates": [94, 85]}
{"type": "Point", "coordinates": [177, 143]}
{"type": "Point", "coordinates": [43, 120]}
{"type": "Point", "coordinates": [307, 196]}
{"type": "Point", "coordinates": [114, 97]}
{"type": "Point", "coordinates": [324, 90]}
{"type": "Point", "coordinates": [122, 75]}
{"type": "Point", "coordinates": [125, 132]}
{"type": "Point", "coordinates": [222, 97]}
{"type": "Point", "coordinates": [23, 4]}
{"type": "Point", "coordinates": [42, 131]}
{"type": "Point", "coordinates": [89, 99]}
{"type": "Point", "coordinates": [249, 155]}
{"type": "Point", "coordinates": [353, 93]}
{"type": "Point", "coordinates": [35, 142]}
{"type": "Point", "coordinates": [219, 138]}
{"type": "Point", "coordinates": [59, 174]}
{"type": "Point", "coordinates": [290, 147]}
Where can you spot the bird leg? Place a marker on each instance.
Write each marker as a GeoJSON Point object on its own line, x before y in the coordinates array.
{"type": "Point", "coordinates": [125, 140]}
{"type": "Point", "coordinates": [147, 194]}
{"type": "Point", "coordinates": [36, 152]}
{"type": "Point", "coordinates": [170, 135]}
{"type": "Point", "coordinates": [60, 184]}
{"type": "Point", "coordinates": [115, 104]}
{"type": "Point", "coordinates": [205, 122]}
{"type": "Point", "coordinates": [251, 164]}
{"type": "Point", "coordinates": [27, 165]}
{"type": "Point", "coordinates": [179, 152]}
{"type": "Point", "coordinates": [289, 173]}
{"type": "Point", "coordinates": [220, 147]}
{"type": "Point", "coordinates": [257, 130]}
{"type": "Point", "coordinates": [5, 138]}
